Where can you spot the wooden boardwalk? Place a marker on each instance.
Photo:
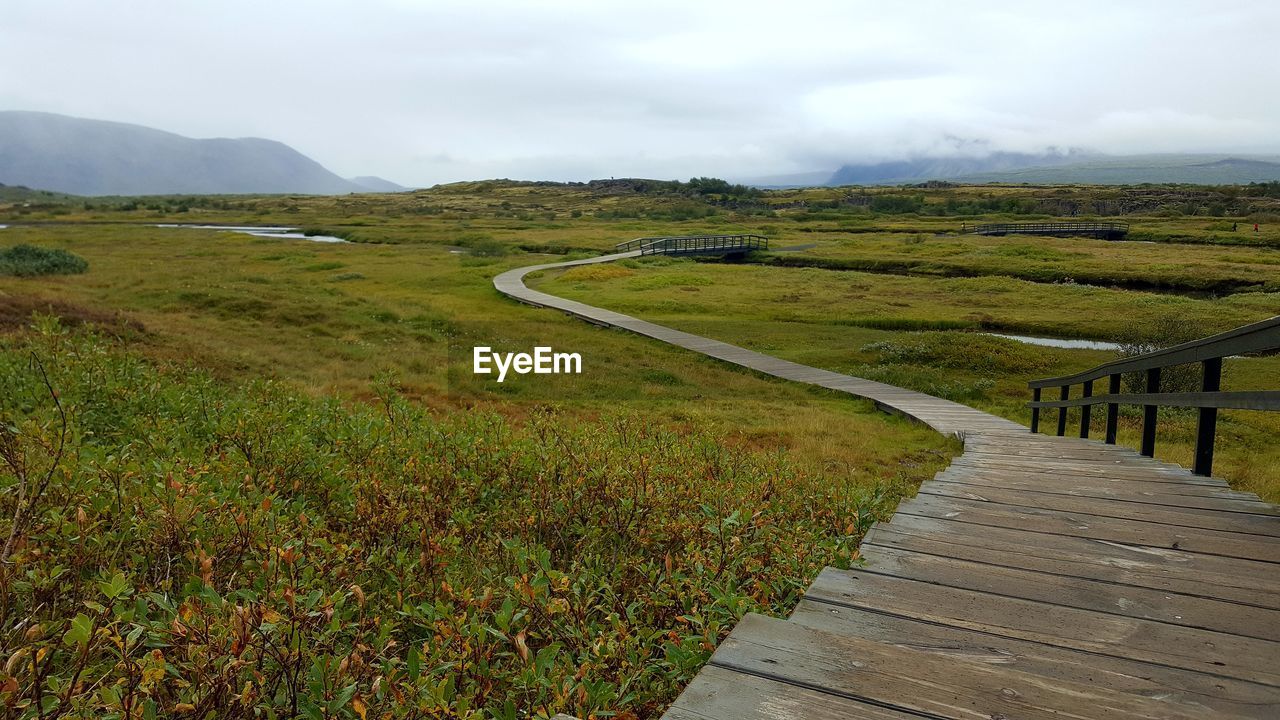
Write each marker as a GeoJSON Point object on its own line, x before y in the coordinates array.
{"type": "Point", "coordinates": [1100, 230]}
{"type": "Point", "coordinates": [1035, 577]}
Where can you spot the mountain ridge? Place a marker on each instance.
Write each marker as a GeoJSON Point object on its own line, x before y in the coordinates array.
{"type": "Point", "coordinates": [100, 157]}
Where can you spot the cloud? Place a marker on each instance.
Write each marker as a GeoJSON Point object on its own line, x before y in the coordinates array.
{"type": "Point", "coordinates": [428, 91]}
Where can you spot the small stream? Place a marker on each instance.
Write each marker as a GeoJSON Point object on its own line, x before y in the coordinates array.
{"type": "Point", "coordinates": [282, 233]}
{"type": "Point", "coordinates": [1060, 342]}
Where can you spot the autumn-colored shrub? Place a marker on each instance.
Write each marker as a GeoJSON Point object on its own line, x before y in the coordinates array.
{"type": "Point", "coordinates": [181, 547]}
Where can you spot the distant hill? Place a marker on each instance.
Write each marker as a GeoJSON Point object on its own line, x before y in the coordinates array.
{"type": "Point", "coordinates": [942, 168]}
{"type": "Point", "coordinates": [816, 178]}
{"type": "Point", "coordinates": [1134, 169]}
{"type": "Point", "coordinates": [19, 193]}
{"type": "Point", "coordinates": [95, 157]}
{"type": "Point", "coordinates": [373, 183]}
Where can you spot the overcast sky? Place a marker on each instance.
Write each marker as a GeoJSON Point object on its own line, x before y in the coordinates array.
{"type": "Point", "coordinates": [426, 91]}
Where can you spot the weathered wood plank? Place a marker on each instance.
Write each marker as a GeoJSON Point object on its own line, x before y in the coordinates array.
{"type": "Point", "coordinates": [1112, 635]}
{"type": "Point", "coordinates": [1115, 508]}
{"type": "Point", "coordinates": [1135, 490]}
{"type": "Point", "coordinates": [721, 694]}
{"type": "Point", "coordinates": [922, 678]}
{"type": "Point", "coordinates": [1231, 579]}
{"type": "Point", "coordinates": [1117, 472]}
{"type": "Point", "coordinates": [1083, 593]}
{"type": "Point", "coordinates": [1132, 532]}
{"type": "Point", "coordinates": [1088, 456]}
{"type": "Point", "coordinates": [1175, 686]}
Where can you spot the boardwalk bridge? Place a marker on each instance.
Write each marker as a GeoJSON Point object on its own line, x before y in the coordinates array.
{"type": "Point", "coordinates": [1100, 230]}
{"type": "Point", "coordinates": [729, 245]}
{"type": "Point", "coordinates": [1036, 577]}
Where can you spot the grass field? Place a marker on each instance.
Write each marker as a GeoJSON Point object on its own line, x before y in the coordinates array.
{"type": "Point", "coordinates": [381, 531]}
{"type": "Point", "coordinates": [924, 333]}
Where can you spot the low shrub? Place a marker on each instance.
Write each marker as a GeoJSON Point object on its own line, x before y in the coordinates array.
{"type": "Point", "coordinates": [979, 354]}
{"type": "Point", "coordinates": [928, 380]}
{"type": "Point", "coordinates": [1167, 330]}
{"type": "Point", "coordinates": [30, 261]}
{"type": "Point", "coordinates": [186, 547]}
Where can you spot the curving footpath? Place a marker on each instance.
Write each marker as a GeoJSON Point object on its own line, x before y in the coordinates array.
{"type": "Point", "coordinates": [1036, 577]}
{"type": "Point", "coordinates": [946, 417]}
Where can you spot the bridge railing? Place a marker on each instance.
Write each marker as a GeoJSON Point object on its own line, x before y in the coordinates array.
{"type": "Point", "coordinates": [1256, 338]}
{"type": "Point", "coordinates": [1097, 229]}
{"type": "Point", "coordinates": [693, 244]}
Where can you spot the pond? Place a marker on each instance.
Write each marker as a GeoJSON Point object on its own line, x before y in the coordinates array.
{"type": "Point", "coordinates": [1060, 342]}
{"type": "Point", "coordinates": [283, 233]}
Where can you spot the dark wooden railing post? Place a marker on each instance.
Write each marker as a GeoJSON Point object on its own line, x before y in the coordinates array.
{"type": "Point", "coordinates": [1062, 411]}
{"type": "Point", "coordinates": [1207, 425]}
{"type": "Point", "coordinates": [1113, 409]}
{"type": "Point", "coordinates": [1035, 411]}
{"type": "Point", "coordinates": [1149, 414]}
{"type": "Point", "coordinates": [1259, 337]}
{"type": "Point", "coordinates": [1085, 410]}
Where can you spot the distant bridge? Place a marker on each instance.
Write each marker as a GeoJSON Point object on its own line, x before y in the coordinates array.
{"type": "Point", "coordinates": [695, 245]}
{"type": "Point", "coordinates": [1100, 230]}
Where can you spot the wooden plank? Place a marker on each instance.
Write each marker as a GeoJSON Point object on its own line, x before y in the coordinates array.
{"type": "Point", "coordinates": [1131, 532]}
{"type": "Point", "coordinates": [923, 679]}
{"type": "Point", "coordinates": [1116, 508]}
{"type": "Point", "coordinates": [1097, 470]}
{"type": "Point", "coordinates": [1205, 651]}
{"type": "Point", "coordinates": [1026, 441]}
{"type": "Point", "coordinates": [1175, 686]}
{"type": "Point", "coordinates": [721, 694]}
{"type": "Point", "coordinates": [1117, 464]}
{"type": "Point", "coordinates": [1096, 454]}
{"type": "Point", "coordinates": [1133, 490]}
{"type": "Point", "coordinates": [1050, 453]}
{"type": "Point", "coordinates": [1230, 579]}
{"type": "Point", "coordinates": [1070, 591]}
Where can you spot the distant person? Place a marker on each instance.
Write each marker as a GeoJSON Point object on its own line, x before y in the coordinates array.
{"type": "Point", "coordinates": [1255, 227]}
{"type": "Point", "coordinates": [1233, 227]}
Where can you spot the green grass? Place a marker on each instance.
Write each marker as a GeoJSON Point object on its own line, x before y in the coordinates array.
{"type": "Point", "coordinates": [868, 325]}
{"type": "Point", "coordinates": [1191, 269]}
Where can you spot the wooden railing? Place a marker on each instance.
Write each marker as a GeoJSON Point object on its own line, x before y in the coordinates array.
{"type": "Point", "coordinates": [1105, 230]}
{"type": "Point", "coordinates": [694, 244]}
{"type": "Point", "coordinates": [1256, 338]}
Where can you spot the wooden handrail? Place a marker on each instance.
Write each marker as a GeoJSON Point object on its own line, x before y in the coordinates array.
{"type": "Point", "coordinates": [1239, 400]}
{"type": "Point", "coordinates": [693, 244]}
{"type": "Point", "coordinates": [1258, 337]}
{"type": "Point", "coordinates": [1097, 228]}
{"type": "Point", "coordinates": [1209, 352]}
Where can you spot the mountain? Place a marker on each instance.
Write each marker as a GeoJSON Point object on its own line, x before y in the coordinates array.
{"type": "Point", "coordinates": [1196, 169]}
{"type": "Point", "coordinates": [19, 193]}
{"type": "Point", "coordinates": [815, 178]}
{"type": "Point", "coordinates": [1074, 167]}
{"type": "Point", "coordinates": [943, 168]}
{"type": "Point", "coordinates": [95, 157]}
{"type": "Point", "coordinates": [373, 183]}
